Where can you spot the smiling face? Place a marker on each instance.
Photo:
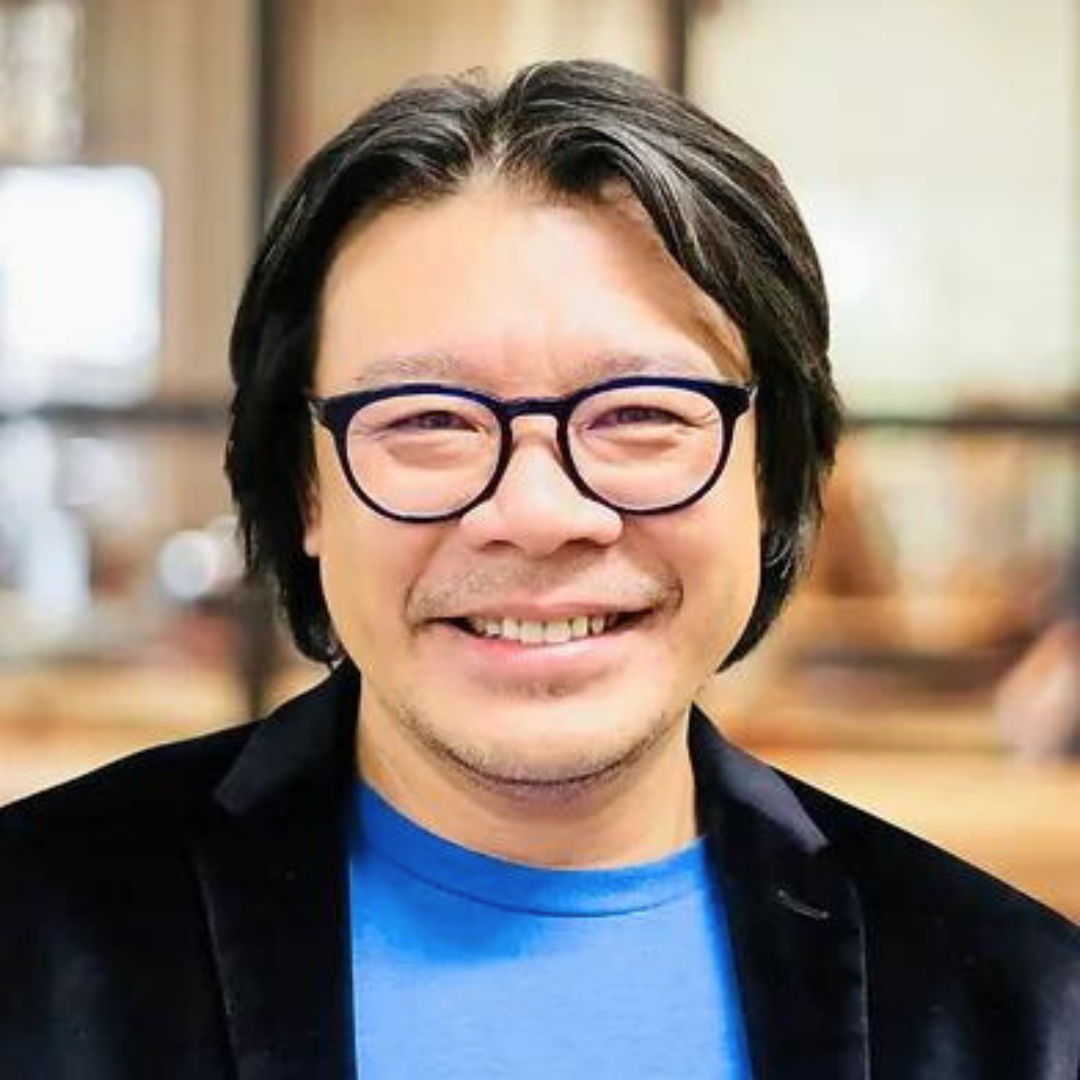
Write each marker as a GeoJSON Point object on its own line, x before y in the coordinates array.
{"type": "Point", "coordinates": [501, 291]}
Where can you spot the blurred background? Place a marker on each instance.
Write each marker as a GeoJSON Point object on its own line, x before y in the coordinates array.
{"type": "Point", "coordinates": [930, 669]}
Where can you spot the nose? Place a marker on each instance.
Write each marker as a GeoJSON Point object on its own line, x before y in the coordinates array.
{"type": "Point", "coordinates": [537, 508]}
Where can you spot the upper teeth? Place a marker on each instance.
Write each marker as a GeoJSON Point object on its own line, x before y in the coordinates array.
{"type": "Point", "coordinates": [531, 632]}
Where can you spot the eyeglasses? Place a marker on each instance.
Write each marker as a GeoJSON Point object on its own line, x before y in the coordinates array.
{"type": "Point", "coordinates": [425, 452]}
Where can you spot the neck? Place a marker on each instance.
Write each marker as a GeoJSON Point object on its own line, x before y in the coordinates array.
{"type": "Point", "coordinates": [640, 812]}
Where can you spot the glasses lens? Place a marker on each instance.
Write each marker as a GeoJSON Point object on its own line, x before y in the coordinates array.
{"type": "Point", "coordinates": [646, 447]}
{"type": "Point", "coordinates": [423, 454]}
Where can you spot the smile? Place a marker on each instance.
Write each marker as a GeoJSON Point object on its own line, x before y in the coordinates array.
{"type": "Point", "coordinates": [550, 632]}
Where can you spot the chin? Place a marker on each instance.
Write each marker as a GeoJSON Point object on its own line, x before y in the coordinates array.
{"type": "Point", "coordinates": [538, 764]}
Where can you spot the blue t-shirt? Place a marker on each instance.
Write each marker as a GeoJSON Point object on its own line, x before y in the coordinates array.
{"type": "Point", "coordinates": [466, 966]}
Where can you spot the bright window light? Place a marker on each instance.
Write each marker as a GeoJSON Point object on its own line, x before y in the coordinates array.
{"type": "Point", "coordinates": [80, 270]}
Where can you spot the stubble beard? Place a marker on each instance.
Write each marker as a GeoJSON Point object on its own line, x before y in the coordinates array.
{"type": "Point", "coordinates": [500, 770]}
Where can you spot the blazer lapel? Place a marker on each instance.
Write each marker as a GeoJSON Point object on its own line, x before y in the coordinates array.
{"type": "Point", "coordinates": [272, 866]}
{"type": "Point", "coordinates": [795, 919]}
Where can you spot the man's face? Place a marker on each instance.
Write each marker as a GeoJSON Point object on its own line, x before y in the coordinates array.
{"type": "Point", "coordinates": [501, 291]}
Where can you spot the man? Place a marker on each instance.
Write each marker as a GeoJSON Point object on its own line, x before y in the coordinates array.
{"type": "Point", "coordinates": [533, 412]}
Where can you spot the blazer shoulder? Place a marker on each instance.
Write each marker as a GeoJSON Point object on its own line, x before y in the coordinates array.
{"type": "Point", "coordinates": [897, 871]}
{"type": "Point", "coordinates": [147, 789]}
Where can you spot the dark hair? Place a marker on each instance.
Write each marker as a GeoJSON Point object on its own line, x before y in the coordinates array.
{"type": "Point", "coordinates": [571, 128]}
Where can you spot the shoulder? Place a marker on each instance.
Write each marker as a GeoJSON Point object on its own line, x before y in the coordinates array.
{"type": "Point", "coordinates": [920, 900]}
{"type": "Point", "coordinates": [959, 966]}
{"type": "Point", "coordinates": [99, 902]}
{"type": "Point", "coordinates": [154, 790]}
{"type": "Point", "coordinates": [157, 798]}
{"type": "Point", "coordinates": [105, 857]}
{"type": "Point", "coordinates": [891, 861]}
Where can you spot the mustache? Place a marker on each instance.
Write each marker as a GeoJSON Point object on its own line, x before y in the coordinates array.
{"type": "Point", "coordinates": [619, 586]}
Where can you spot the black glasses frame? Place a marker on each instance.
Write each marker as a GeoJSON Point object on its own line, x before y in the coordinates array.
{"type": "Point", "coordinates": [336, 414]}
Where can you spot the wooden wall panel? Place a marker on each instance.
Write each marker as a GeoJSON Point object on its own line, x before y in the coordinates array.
{"type": "Point", "coordinates": [337, 56]}
{"type": "Point", "coordinates": [170, 86]}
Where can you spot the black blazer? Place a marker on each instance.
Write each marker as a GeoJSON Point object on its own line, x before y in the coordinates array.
{"type": "Point", "coordinates": [181, 914]}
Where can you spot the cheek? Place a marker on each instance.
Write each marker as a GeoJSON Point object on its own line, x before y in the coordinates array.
{"type": "Point", "coordinates": [738, 526]}
{"type": "Point", "coordinates": [722, 558]}
{"type": "Point", "coordinates": [367, 563]}
{"type": "Point", "coordinates": [717, 553]}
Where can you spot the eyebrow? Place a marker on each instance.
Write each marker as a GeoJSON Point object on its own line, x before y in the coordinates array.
{"type": "Point", "coordinates": [455, 369]}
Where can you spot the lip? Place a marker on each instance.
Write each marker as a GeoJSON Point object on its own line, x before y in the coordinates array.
{"type": "Point", "coordinates": [547, 612]}
{"type": "Point", "coordinates": [494, 661]}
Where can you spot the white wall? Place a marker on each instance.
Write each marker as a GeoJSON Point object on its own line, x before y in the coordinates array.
{"type": "Point", "coordinates": [932, 145]}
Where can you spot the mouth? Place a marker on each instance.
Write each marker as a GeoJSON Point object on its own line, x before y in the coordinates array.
{"type": "Point", "coordinates": [540, 633]}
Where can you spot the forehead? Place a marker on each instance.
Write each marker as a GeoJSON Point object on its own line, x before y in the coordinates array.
{"type": "Point", "coordinates": [501, 287]}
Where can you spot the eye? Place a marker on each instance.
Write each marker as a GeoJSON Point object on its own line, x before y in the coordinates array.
{"type": "Point", "coordinates": [636, 414]}
{"type": "Point", "coordinates": [433, 420]}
